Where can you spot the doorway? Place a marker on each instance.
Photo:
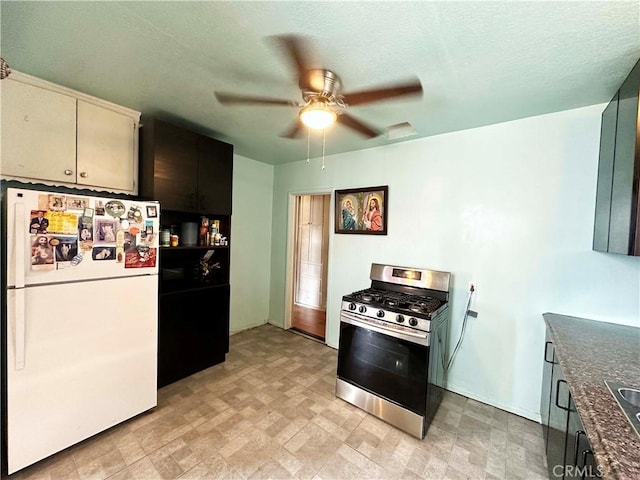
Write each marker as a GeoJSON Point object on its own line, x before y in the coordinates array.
{"type": "Point", "coordinates": [311, 254]}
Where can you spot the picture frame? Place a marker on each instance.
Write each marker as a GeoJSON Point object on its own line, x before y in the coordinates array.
{"type": "Point", "coordinates": [76, 203]}
{"type": "Point", "coordinates": [152, 211]}
{"type": "Point", "coordinates": [362, 210]}
{"type": "Point", "coordinates": [57, 203]}
{"type": "Point", "coordinates": [105, 232]}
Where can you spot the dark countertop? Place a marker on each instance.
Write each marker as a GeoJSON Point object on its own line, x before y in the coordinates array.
{"type": "Point", "coordinates": [589, 353]}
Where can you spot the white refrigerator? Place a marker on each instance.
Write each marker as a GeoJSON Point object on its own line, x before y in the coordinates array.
{"type": "Point", "coordinates": [81, 318]}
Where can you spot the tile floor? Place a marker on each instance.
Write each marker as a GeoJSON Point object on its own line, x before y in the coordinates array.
{"type": "Point", "coordinates": [270, 412]}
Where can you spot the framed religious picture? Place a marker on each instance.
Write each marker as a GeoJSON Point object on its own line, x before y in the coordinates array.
{"type": "Point", "coordinates": [362, 210]}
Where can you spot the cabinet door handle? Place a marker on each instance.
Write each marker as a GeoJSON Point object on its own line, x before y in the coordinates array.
{"type": "Point", "coordinates": [546, 347]}
{"type": "Point", "coordinates": [84, 174]}
{"type": "Point", "coordinates": [579, 433]}
{"type": "Point", "coordinates": [68, 172]}
{"type": "Point", "coordinates": [585, 454]}
{"type": "Point", "coordinates": [566, 409]}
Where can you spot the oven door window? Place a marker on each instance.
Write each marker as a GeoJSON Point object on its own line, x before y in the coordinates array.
{"type": "Point", "coordinates": [385, 366]}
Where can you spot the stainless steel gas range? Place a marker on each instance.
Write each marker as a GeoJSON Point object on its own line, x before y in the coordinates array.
{"type": "Point", "coordinates": [393, 345]}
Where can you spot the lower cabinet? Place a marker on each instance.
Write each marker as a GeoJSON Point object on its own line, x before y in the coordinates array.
{"type": "Point", "coordinates": [545, 399]}
{"type": "Point", "coordinates": [557, 427]}
{"type": "Point", "coordinates": [579, 453]}
{"type": "Point", "coordinates": [567, 447]}
{"type": "Point", "coordinates": [193, 331]}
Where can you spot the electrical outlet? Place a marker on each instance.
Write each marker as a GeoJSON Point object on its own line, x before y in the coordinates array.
{"type": "Point", "coordinates": [473, 294]}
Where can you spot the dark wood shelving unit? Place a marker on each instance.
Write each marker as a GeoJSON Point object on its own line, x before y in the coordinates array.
{"type": "Point", "coordinates": [191, 176]}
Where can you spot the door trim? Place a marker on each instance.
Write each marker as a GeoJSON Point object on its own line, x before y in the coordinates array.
{"type": "Point", "coordinates": [290, 257]}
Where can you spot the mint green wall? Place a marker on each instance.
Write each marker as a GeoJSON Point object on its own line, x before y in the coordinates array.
{"type": "Point", "coordinates": [250, 243]}
{"type": "Point", "coordinates": [509, 207]}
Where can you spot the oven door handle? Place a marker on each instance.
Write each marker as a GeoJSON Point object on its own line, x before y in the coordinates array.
{"type": "Point", "coordinates": [417, 337]}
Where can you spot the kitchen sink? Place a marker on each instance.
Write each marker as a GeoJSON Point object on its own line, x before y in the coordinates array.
{"type": "Point", "coordinates": [631, 395]}
{"type": "Point", "coordinates": [628, 399]}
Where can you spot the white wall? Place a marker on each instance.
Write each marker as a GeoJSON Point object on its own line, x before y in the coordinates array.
{"type": "Point", "coordinates": [508, 206]}
{"type": "Point", "coordinates": [250, 243]}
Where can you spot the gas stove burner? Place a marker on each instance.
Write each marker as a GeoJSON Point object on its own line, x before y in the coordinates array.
{"type": "Point", "coordinates": [371, 297]}
{"type": "Point", "coordinates": [392, 302]}
{"type": "Point", "coordinates": [424, 305]}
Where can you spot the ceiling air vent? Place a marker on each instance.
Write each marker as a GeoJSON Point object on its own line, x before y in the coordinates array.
{"type": "Point", "coordinates": [401, 130]}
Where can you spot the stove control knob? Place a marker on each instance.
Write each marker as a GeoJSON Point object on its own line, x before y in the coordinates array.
{"type": "Point", "coordinates": [352, 306]}
{"type": "Point", "coordinates": [362, 309]}
{"type": "Point", "coordinates": [380, 313]}
{"type": "Point", "coordinates": [413, 322]}
{"type": "Point", "coordinates": [400, 318]}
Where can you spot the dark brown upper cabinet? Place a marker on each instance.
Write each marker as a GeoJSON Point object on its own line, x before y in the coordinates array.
{"type": "Point", "coordinates": [617, 218]}
{"type": "Point", "coordinates": [185, 171]}
{"type": "Point", "coordinates": [215, 176]}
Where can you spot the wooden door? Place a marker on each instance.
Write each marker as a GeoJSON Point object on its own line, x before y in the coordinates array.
{"type": "Point", "coordinates": [311, 258]}
{"type": "Point", "coordinates": [312, 251]}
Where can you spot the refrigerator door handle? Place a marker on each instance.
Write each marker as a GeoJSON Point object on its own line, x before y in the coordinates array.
{"type": "Point", "coordinates": [20, 329]}
{"type": "Point", "coordinates": [19, 241]}
{"type": "Point", "coordinates": [19, 259]}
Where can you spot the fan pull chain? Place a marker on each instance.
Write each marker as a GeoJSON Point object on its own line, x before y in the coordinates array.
{"type": "Point", "coordinates": [308, 142]}
{"type": "Point", "coordinates": [324, 136]}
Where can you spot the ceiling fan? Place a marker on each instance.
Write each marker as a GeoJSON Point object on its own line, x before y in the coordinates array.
{"type": "Point", "coordinates": [324, 102]}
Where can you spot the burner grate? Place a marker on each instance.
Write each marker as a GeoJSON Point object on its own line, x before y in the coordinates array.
{"type": "Point", "coordinates": [422, 304]}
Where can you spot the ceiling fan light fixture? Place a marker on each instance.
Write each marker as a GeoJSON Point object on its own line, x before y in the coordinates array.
{"type": "Point", "coordinates": [317, 115]}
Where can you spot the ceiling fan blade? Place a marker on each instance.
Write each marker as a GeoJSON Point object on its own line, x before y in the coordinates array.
{"type": "Point", "coordinates": [230, 98]}
{"type": "Point", "coordinates": [375, 95]}
{"type": "Point", "coordinates": [296, 49]}
{"type": "Point", "coordinates": [349, 121]}
{"type": "Point", "coordinates": [295, 131]}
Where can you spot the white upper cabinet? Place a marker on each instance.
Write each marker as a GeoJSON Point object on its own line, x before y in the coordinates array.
{"type": "Point", "coordinates": [57, 136]}
{"type": "Point", "coordinates": [107, 149]}
{"type": "Point", "coordinates": [38, 133]}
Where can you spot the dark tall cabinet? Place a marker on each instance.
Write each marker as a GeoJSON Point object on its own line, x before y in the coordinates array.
{"type": "Point", "coordinates": [191, 176]}
{"type": "Point", "coordinates": [617, 218]}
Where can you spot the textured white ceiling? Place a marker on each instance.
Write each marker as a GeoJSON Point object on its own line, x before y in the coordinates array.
{"type": "Point", "coordinates": [479, 62]}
